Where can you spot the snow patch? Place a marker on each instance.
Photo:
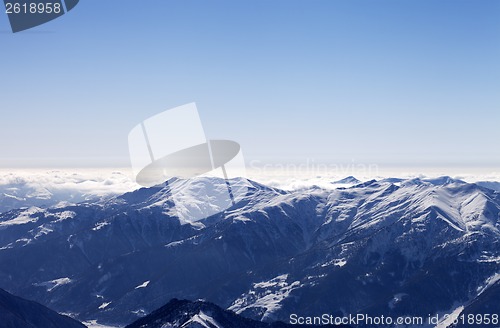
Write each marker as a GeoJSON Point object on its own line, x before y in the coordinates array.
{"type": "Point", "coordinates": [52, 284]}
{"type": "Point", "coordinates": [104, 305]}
{"type": "Point", "coordinates": [143, 285]}
{"type": "Point", "coordinates": [42, 231]}
{"type": "Point", "coordinates": [24, 217]}
{"type": "Point", "coordinates": [64, 215]}
{"type": "Point", "coordinates": [204, 320]}
{"type": "Point", "coordinates": [100, 225]}
{"type": "Point", "coordinates": [94, 324]}
{"type": "Point", "coordinates": [448, 321]}
{"type": "Point", "coordinates": [336, 262]}
{"type": "Point", "coordinates": [266, 295]}
{"type": "Point", "coordinates": [489, 282]}
{"type": "Point", "coordinates": [396, 299]}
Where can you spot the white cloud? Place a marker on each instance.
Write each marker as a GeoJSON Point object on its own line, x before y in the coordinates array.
{"type": "Point", "coordinates": [37, 187]}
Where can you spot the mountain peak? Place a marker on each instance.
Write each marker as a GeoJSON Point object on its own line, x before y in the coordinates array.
{"type": "Point", "coordinates": [347, 180]}
{"type": "Point", "coordinates": [442, 180]}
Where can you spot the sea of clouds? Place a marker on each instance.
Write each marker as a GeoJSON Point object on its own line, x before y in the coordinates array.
{"type": "Point", "coordinates": [49, 187]}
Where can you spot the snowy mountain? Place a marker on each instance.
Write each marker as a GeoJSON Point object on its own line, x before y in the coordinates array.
{"type": "Point", "coordinates": [391, 247]}
{"type": "Point", "coordinates": [16, 312]}
{"type": "Point", "coordinates": [200, 314]}
{"type": "Point", "coordinates": [348, 180]}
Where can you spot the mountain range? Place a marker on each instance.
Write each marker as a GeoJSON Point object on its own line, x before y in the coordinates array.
{"type": "Point", "coordinates": [394, 247]}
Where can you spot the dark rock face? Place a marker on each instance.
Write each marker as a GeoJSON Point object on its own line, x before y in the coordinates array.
{"type": "Point", "coordinates": [16, 312]}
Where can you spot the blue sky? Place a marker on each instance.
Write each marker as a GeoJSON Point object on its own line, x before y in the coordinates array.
{"type": "Point", "coordinates": [390, 82]}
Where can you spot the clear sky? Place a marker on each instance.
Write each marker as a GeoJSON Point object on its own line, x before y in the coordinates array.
{"type": "Point", "coordinates": [399, 82]}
